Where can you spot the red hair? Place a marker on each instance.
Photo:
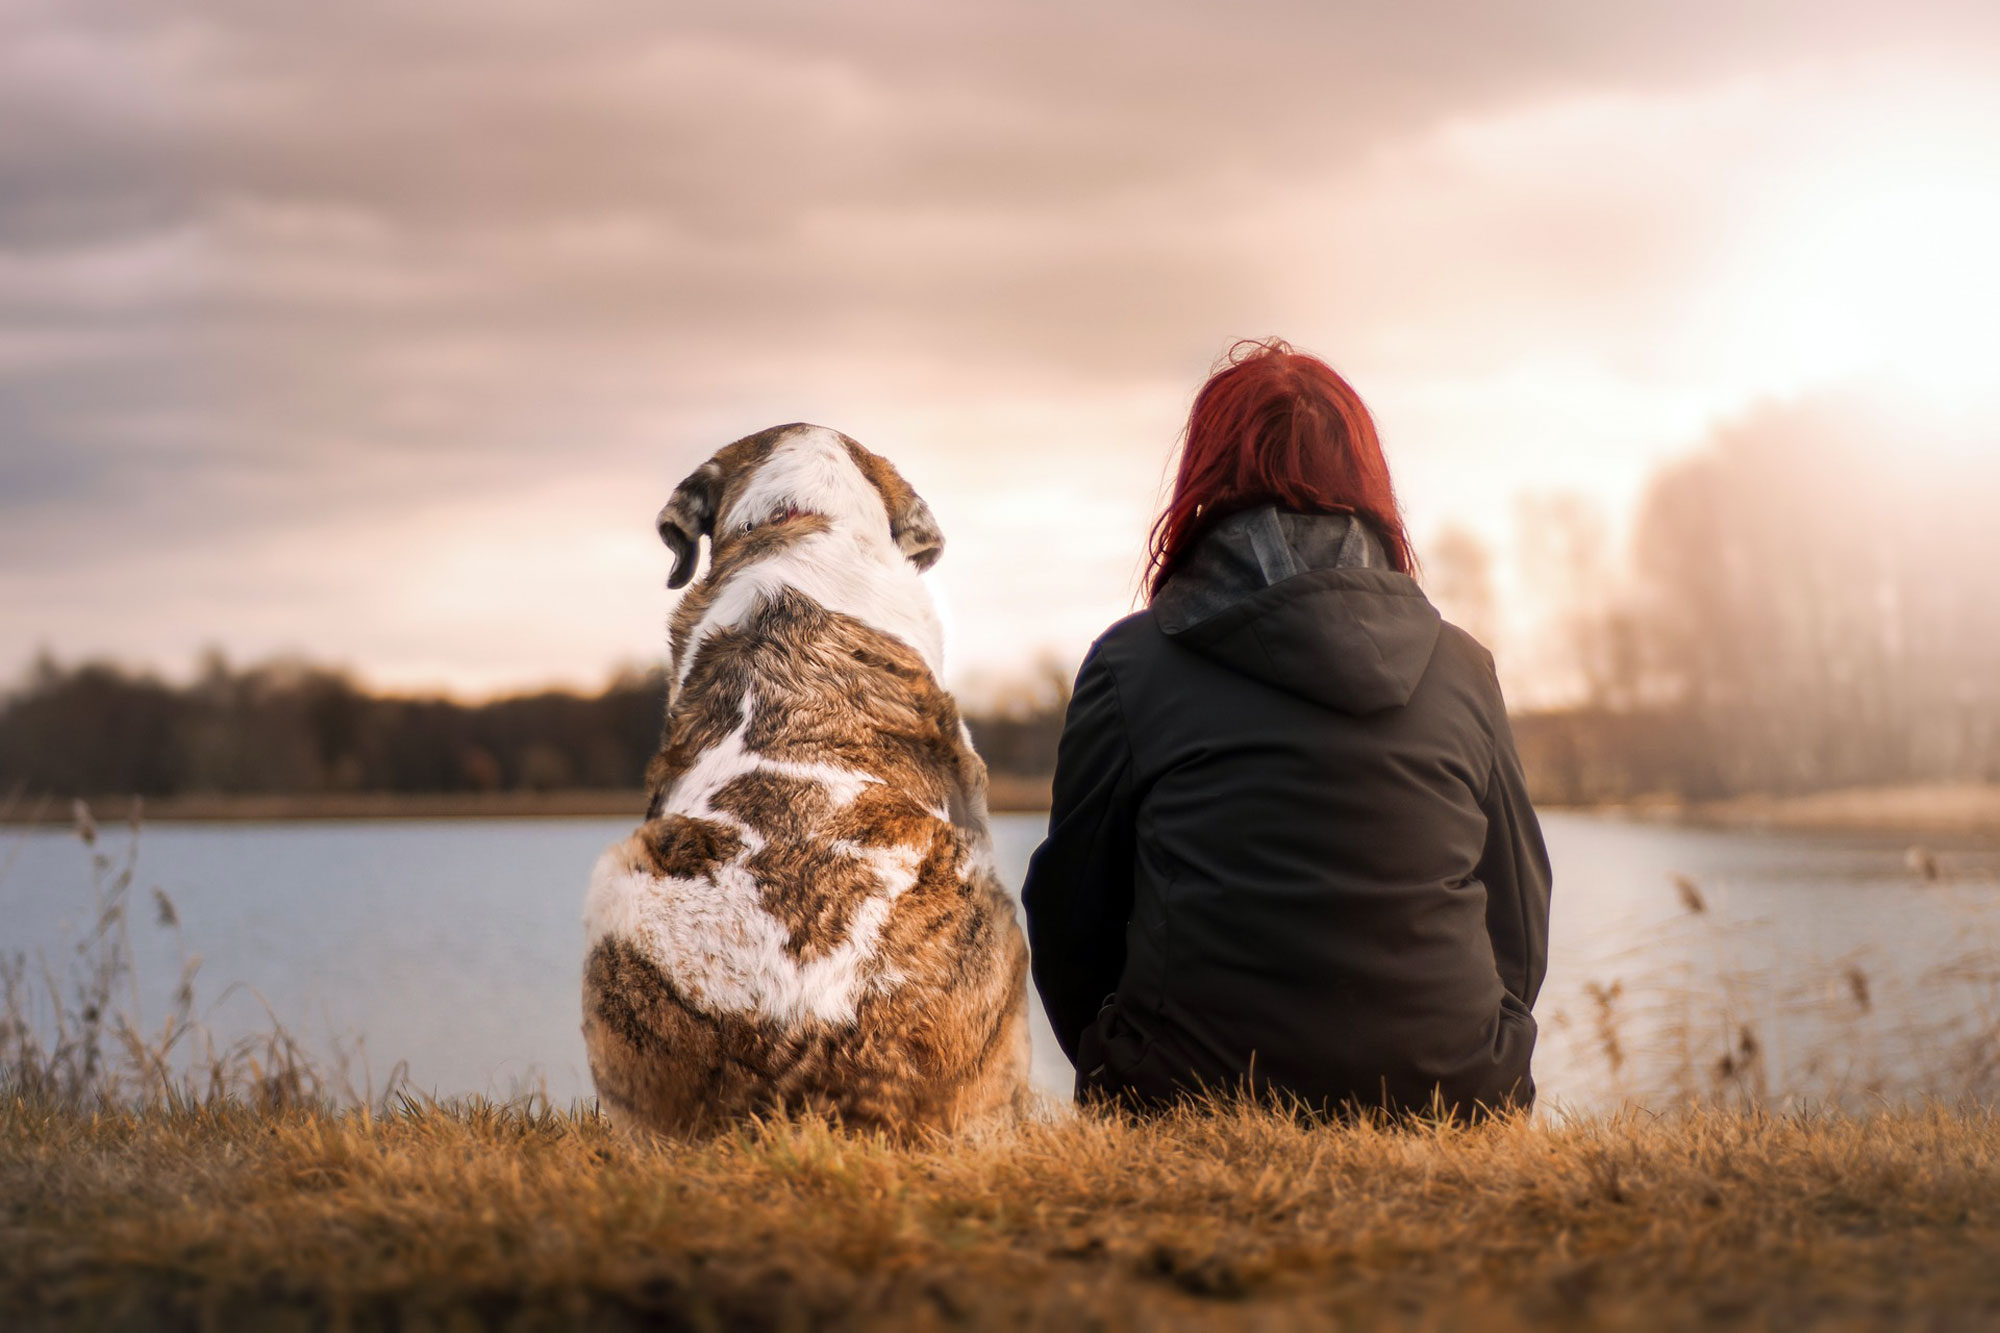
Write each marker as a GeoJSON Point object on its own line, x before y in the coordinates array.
{"type": "Point", "coordinates": [1275, 426]}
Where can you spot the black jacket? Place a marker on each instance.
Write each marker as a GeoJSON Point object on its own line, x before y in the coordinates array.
{"type": "Point", "coordinates": [1290, 843]}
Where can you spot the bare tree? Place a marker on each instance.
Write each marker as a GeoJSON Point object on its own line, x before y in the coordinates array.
{"type": "Point", "coordinates": [1818, 596]}
{"type": "Point", "coordinates": [1588, 638]}
{"type": "Point", "coordinates": [1458, 576]}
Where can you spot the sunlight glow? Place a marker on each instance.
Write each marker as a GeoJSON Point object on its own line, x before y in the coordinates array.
{"type": "Point", "coordinates": [1897, 279]}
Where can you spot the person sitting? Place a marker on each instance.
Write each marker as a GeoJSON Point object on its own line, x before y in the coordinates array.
{"type": "Point", "coordinates": [1290, 848]}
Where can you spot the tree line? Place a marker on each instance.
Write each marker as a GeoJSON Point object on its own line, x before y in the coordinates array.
{"type": "Point", "coordinates": [1812, 601]}
{"type": "Point", "coordinates": [97, 729]}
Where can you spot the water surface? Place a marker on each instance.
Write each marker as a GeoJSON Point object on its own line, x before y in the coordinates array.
{"type": "Point", "coordinates": [455, 945]}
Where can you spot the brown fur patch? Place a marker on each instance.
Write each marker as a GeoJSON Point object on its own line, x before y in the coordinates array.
{"type": "Point", "coordinates": [683, 847]}
{"type": "Point", "coordinates": [811, 890]}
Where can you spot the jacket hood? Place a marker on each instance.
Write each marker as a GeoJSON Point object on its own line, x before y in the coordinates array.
{"type": "Point", "coordinates": [1306, 602]}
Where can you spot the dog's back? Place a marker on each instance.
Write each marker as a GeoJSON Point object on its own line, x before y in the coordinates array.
{"type": "Point", "coordinates": [809, 917]}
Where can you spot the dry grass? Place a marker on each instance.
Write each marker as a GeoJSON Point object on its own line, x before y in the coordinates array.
{"type": "Point", "coordinates": [148, 1180]}
{"type": "Point", "coordinates": [479, 1216]}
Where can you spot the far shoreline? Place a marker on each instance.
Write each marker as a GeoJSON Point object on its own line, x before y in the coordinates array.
{"type": "Point", "coordinates": [1964, 810]}
{"type": "Point", "coordinates": [1914, 810]}
{"type": "Point", "coordinates": [1007, 795]}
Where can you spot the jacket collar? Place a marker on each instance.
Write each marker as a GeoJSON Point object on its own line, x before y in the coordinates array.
{"type": "Point", "coordinates": [1260, 548]}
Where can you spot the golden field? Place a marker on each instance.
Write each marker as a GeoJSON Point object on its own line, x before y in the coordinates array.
{"type": "Point", "coordinates": [149, 1179]}
{"type": "Point", "coordinates": [474, 1215]}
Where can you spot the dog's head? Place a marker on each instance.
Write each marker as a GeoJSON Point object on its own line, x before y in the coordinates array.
{"type": "Point", "coordinates": [789, 473]}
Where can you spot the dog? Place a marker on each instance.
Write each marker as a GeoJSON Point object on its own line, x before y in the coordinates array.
{"type": "Point", "coordinates": [809, 920]}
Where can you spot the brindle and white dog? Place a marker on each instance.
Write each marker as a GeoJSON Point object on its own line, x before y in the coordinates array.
{"type": "Point", "coordinates": [809, 917]}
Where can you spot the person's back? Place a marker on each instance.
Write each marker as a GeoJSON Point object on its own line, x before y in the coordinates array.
{"type": "Point", "coordinates": [1289, 842]}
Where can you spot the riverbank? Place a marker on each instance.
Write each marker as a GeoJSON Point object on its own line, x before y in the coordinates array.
{"type": "Point", "coordinates": [1007, 795]}
{"type": "Point", "coordinates": [440, 1217]}
{"type": "Point", "coordinates": [1935, 811]}
{"type": "Point", "coordinates": [1963, 810]}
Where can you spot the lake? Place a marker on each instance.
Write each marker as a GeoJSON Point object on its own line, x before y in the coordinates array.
{"type": "Point", "coordinates": [1685, 962]}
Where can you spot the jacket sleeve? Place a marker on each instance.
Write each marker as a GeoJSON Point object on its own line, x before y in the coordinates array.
{"type": "Point", "coordinates": [1515, 869]}
{"type": "Point", "coordinates": [1078, 892]}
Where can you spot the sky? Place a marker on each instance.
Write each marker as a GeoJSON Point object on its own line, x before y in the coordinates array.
{"type": "Point", "coordinates": [378, 332]}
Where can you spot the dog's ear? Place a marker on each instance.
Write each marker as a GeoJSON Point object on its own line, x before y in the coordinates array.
{"type": "Point", "coordinates": [912, 526]}
{"type": "Point", "coordinates": [688, 517]}
{"type": "Point", "coordinates": [916, 531]}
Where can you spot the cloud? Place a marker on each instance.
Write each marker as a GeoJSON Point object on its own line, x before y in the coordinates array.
{"type": "Point", "coordinates": [300, 305]}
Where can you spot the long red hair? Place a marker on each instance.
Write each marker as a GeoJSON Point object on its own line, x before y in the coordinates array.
{"type": "Point", "coordinates": [1275, 426]}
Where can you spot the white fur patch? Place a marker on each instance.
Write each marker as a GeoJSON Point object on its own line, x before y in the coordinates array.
{"type": "Point", "coordinates": [713, 935]}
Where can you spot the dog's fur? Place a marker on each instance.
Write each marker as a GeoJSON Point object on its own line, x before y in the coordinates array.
{"type": "Point", "coordinates": [809, 919]}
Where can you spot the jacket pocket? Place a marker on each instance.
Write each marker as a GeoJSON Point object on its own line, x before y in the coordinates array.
{"type": "Point", "coordinates": [1109, 1053]}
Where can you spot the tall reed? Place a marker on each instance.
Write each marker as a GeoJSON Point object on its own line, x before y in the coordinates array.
{"type": "Point", "coordinates": [73, 1034]}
